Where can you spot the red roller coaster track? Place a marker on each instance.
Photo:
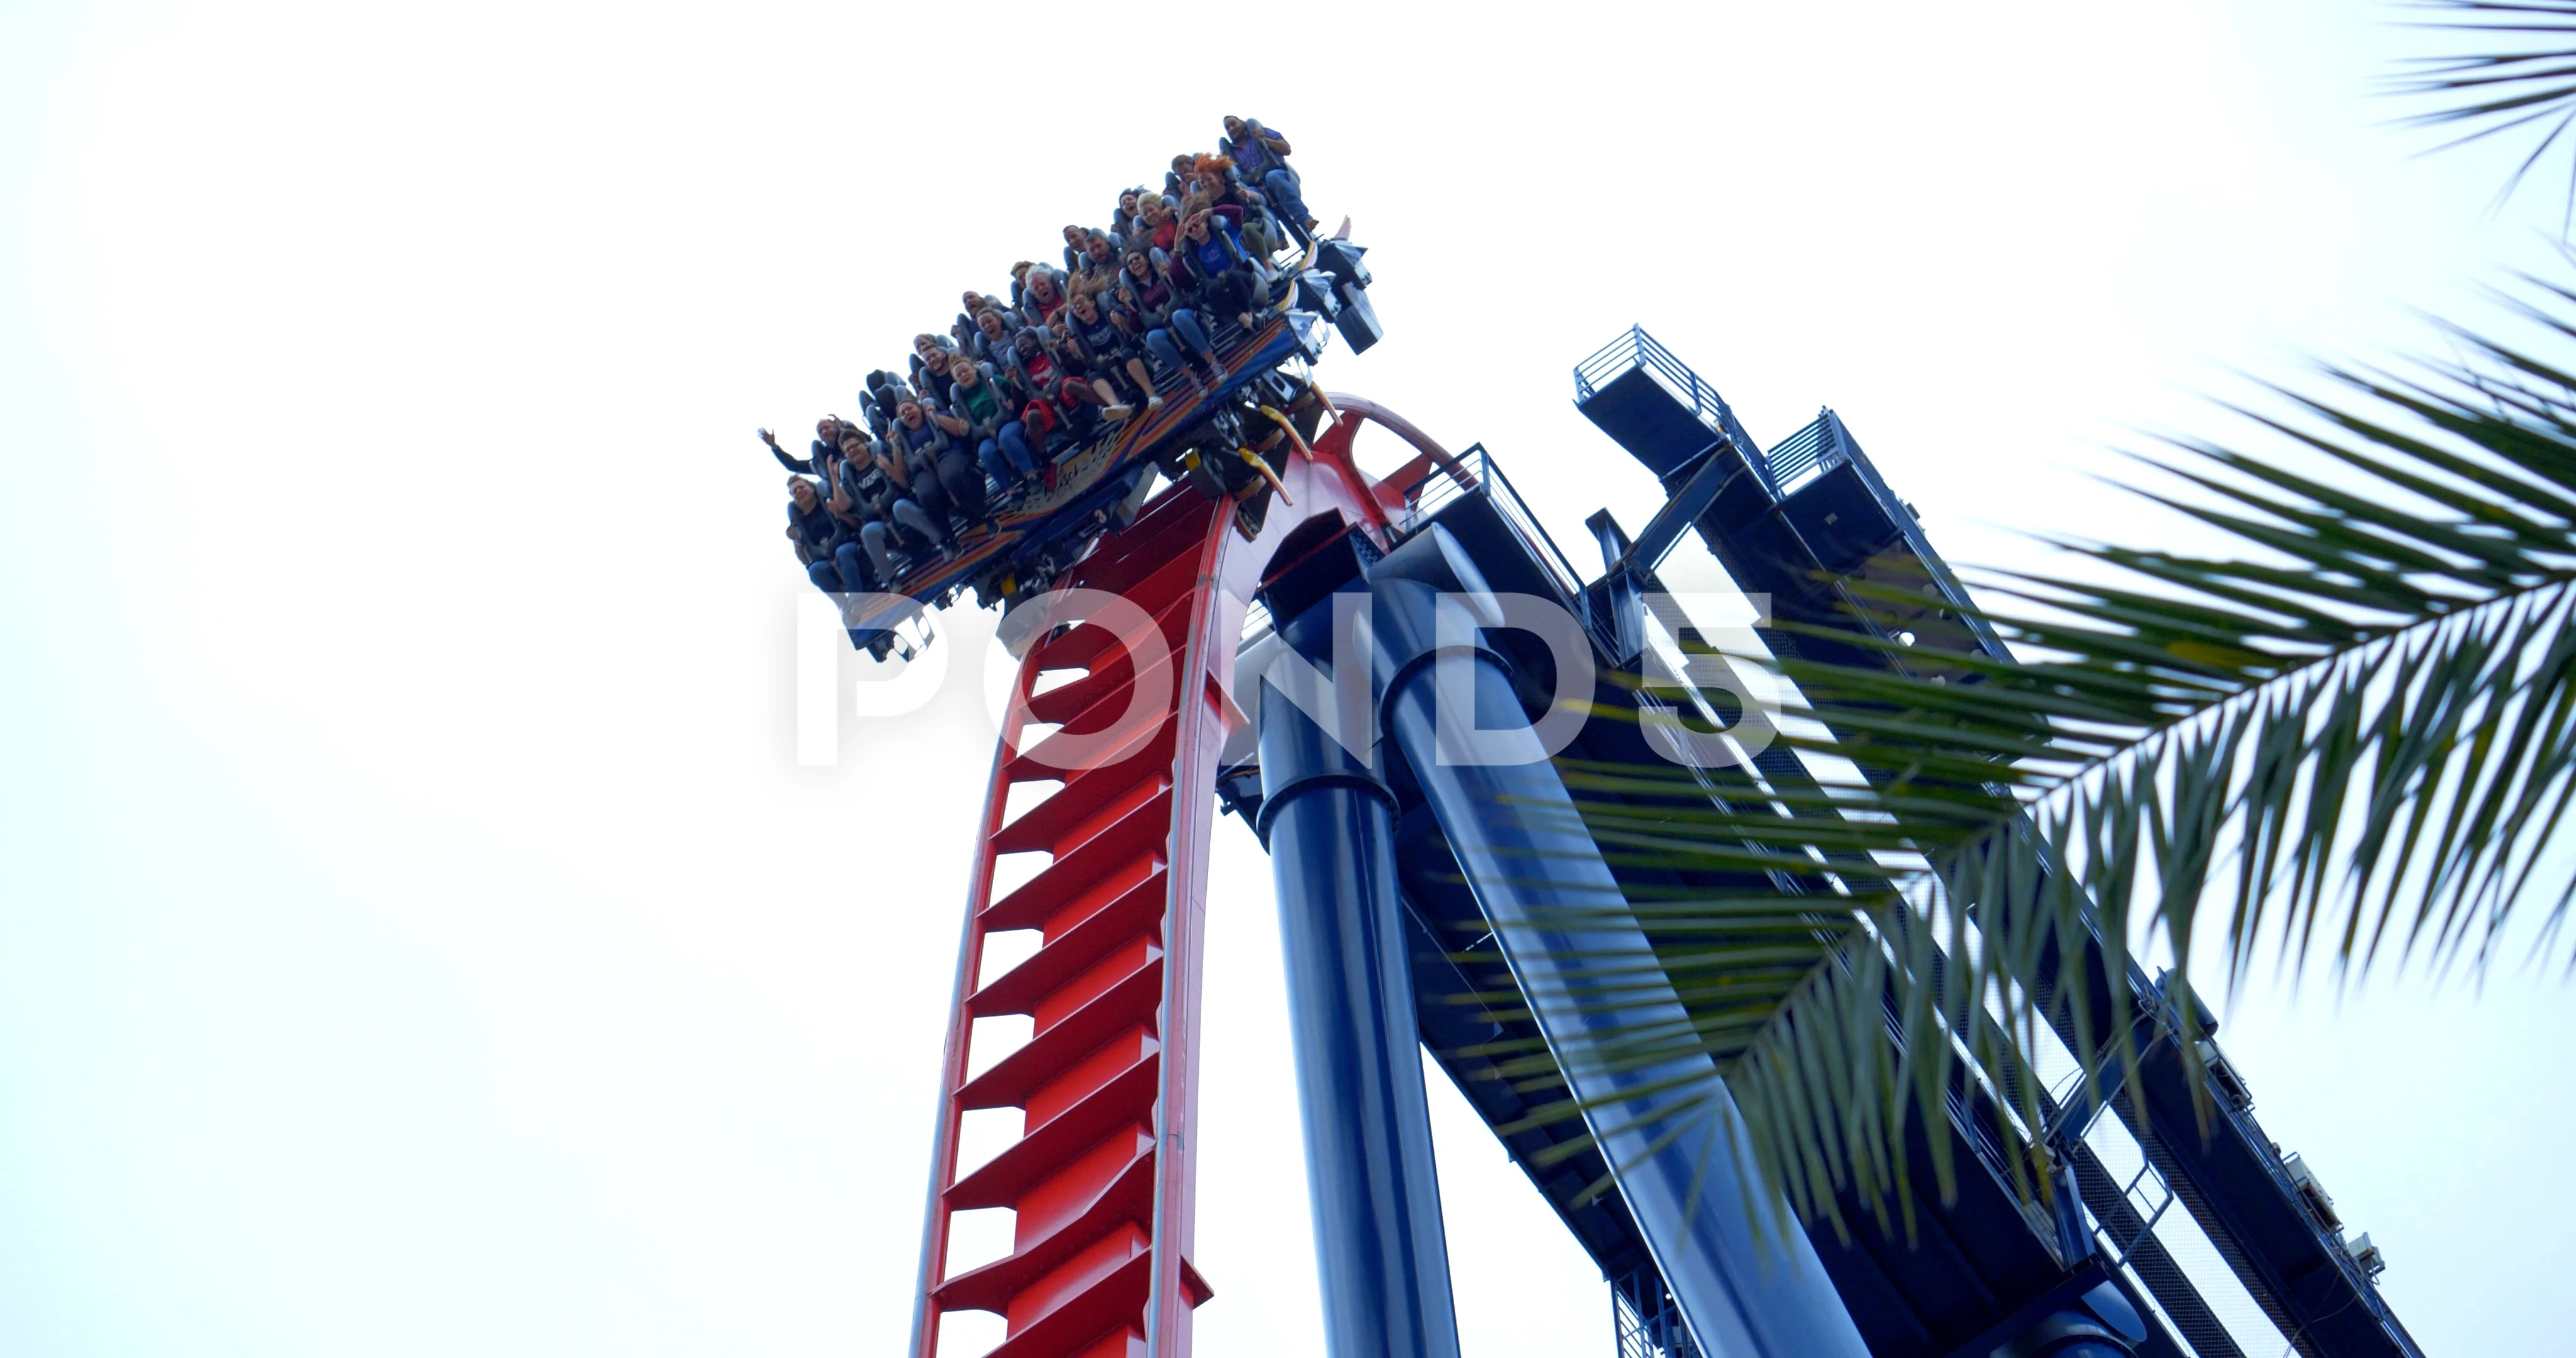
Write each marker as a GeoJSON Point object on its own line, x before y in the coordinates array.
{"type": "Point", "coordinates": [1101, 1178]}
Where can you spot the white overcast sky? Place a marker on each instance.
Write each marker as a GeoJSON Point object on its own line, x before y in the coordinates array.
{"type": "Point", "coordinates": [416, 936]}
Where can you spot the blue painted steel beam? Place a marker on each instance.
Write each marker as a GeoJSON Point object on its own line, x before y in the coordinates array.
{"type": "Point", "coordinates": [1678, 514]}
{"type": "Point", "coordinates": [1798, 547]}
{"type": "Point", "coordinates": [1328, 818]}
{"type": "Point", "coordinates": [1668, 1127]}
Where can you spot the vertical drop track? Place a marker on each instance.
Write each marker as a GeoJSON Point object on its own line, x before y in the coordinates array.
{"type": "Point", "coordinates": [1100, 1178]}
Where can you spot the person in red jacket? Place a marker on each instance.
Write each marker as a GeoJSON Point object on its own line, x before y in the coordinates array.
{"type": "Point", "coordinates": [1058, 410]}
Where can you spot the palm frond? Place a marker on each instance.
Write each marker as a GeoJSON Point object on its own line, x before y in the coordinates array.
{"type": "Point", "coordinates": [2347, 743]}
{"type": "Point", "coordinates": [2529, 87]}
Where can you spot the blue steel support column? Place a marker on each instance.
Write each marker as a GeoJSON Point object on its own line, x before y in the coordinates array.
{"type": "Point", "coordinates": [1380, 1249]}
{"type": "Point", "coordinates": [1748, 1290]}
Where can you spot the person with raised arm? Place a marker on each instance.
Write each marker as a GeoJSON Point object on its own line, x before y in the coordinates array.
{"type": "Point", "coordinates": [827, 446]}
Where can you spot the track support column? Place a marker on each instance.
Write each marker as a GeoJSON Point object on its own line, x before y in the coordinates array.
{"type": "Point", "coordinates": [1381, 1254]}
{"type": "Point", "coordinates": [1655, 1103]}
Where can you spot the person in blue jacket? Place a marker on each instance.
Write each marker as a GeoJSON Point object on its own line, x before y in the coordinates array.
{"type": "Point", "coordinates": [1210, 267]}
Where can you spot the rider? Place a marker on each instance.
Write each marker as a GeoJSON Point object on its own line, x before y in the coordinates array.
{"type": "Point", "coordinates": [824, 542]}
{"type": "Point", "coordinates": [1210, 265]}
{"type": "Point", "coordinates": [864, 492]}
{"type": "Point", "coordinates": [827, 446]}
{"type": "Point", "coordinates": [1105, 349]}
{"type": "Point", "coordinates": [930, 446]}
{"type": "Point", "coordinates": [978, 413]}
{"type": "Point", "coordinates": [1260, 155]}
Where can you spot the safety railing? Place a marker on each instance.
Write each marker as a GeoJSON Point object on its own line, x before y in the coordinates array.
{"type": "Point", "coordinates": [1439, 487]}
{"type": "Point", "coordinates": [1807, 454]}
{"type": "Point", "coordinates": [1637, 349]}
{"type": "Point", "coordinates": [1478, 474]}
{"type": "Point", "coordinates": [1644, 1319]}
{"type": "Point", "coordinates": [2150, 1233]}
{"type": "Point", "coordinates": [1516, 512]}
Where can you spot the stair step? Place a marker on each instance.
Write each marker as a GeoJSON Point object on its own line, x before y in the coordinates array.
{"type": "Point", "coordinates": [1069, 701]}
{"type": "Point", "coordinates": [1085, 806]}
{"type": "Point", "coordinates": [1031, 765]}
{"type": "Point", "coordinates": [1139, 833]}
{"type": "Point", "coordinates": [1127, 1002]}
{"type": "Point", "coordinates": [1079, 749]}
{"type": "Point", "coordinates": [1113, 1301]}
{"type": "Point", "coordinates": [1086, 1176]}
{"type": "Point", "coordinates": [1085, 645]}
{"type": "Point", "coordinates": [1128, 1198]}
{"type": "Point", "coordinates": [1137, 910]}
{"type": "Point", "coordinates": [1045, 825]}
{"type": "Point", "coordinates": [1175, 522]}
{"type": "Point", "coordinates": [1127, 1101]}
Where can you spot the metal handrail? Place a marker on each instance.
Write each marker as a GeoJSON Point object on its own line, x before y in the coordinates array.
{"type": "Point", "coordinates": [1517, 512]}
{"type": "Point", "coordinates": [1432, 493]}
{"type": "Point", "coordinates": [1809, 450]}
{"type": "Point", "coordinates": [1488, 480]}
{"type": "Point", "coordinates": [1639, 350]}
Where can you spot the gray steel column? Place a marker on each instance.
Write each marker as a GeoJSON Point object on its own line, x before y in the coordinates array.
{"type": "Point", "coordinates": [1382, 1257]}
{"type": "Point", "coordinates": [1668, 1128]}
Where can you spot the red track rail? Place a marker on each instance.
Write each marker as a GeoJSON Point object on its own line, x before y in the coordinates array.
{"type": "Point", "coordinates": [1101, 1179]}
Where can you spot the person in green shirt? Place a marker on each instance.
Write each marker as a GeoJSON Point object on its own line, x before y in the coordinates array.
{"type": "Point", "coordinates": [977, 416]}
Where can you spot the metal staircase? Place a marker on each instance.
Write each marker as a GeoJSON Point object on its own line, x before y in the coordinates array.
{"type": "Point", "coordinates": [1800, 523]}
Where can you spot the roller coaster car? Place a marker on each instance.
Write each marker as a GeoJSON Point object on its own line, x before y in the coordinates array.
{"type": "Point", "coordinates": [1227, 441]}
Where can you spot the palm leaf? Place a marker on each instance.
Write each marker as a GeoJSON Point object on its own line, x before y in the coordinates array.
{"type": "Point", "coordinates": [2528, 88]}
{"type": "Point", "coordinates": [2347, 742]}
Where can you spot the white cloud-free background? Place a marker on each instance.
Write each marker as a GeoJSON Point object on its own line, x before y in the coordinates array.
{"type": "Point", "coordinates": [416, 936]}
